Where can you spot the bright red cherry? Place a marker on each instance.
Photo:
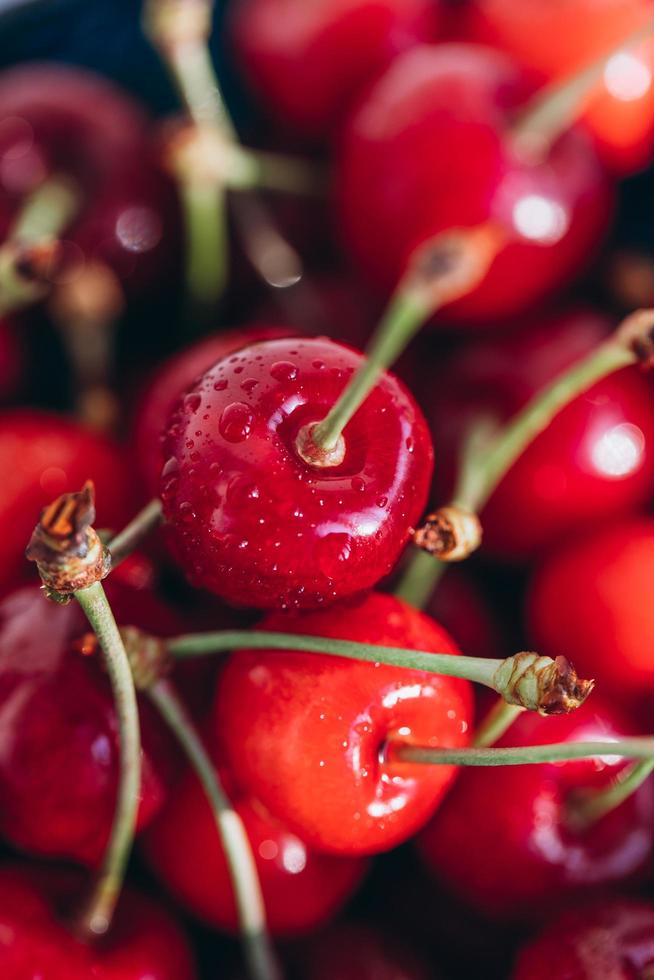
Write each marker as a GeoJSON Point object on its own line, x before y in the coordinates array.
{"type": "Point", "coordinates": [326, 721]}
{"type": "Point", "coordinates": [429, 149]}
{"type": "Point", "coordinates": [353, 951]}
{"type": "Point", "coordinates": [612, 939]}
{"type": "Point", "coordinates": [309, 61]}
{"type": "Point", "coordinates": [253, 522]}
{"type": "Point", "coordinates": [593, 595]}
{"type": "Point", "coordinates": [302, 889]}
{"type": "Point", "coordinates": [41, 456]}
{"type": "Point", "coordinates": [58, 737]}
{"type": "Point", "coordinates": [594, 462]}
{"type": "Point", "coordinates": [172, 380]}
{"type": "Point", "coordinates": [559, 39]}
{"type": "Point", "coordinates": [145, 942]}
{"type": "Point", "coordinates": [503, 841]}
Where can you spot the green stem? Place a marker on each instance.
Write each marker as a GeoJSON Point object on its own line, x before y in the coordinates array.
{"type": "Point", "coordinates": [641, 747]}
{"type": "Point", "coordinates": [592, 805]}
{"type": "Point", "coordinates": [207, 240]}
{"type": "Point", "coordinates": [273, 258]}
{"type": "Point", "coordinates": [257, 945]}
{"type": "Point", "coordinates": [274, 172]}
{"type": "Point", "coordinates": [97, 915]}
{"type": "Point", "coordinates": [124, 543]}
{"type": "Point", "coordinates": [192, 68]}
{"type": "Point", "coordinates": [421, 576]}
{"type": "Point", "coordinates": [559, 105]}
{"type": "Point", "coordinates": [497, 721]}
{"type": "Point", "coordinates": [404, 316]}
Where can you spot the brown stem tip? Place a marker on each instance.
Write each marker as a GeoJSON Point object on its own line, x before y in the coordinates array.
{"type": "Point", "coordinates": [449, 534]}
{"type": "Point", "coordinates": [148, 656]}
{"type": "Point", "coordinates": [67, 550]}
{"type": "Point", "coordinates": [636, 332]}
{"type": "Point", "coordinates": [454, 262]}
{"type": "Point", "coordinates": [541, 684]}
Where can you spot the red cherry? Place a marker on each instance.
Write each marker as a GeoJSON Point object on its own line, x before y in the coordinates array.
{"type": "Point", "coordinates": [350, 951]}
{"type": "Point", "coordinates": [145, 942]}
{"type": "Point", "coordinates": [559, 39]}
{"type": "Point", "coordinates": [41, 456]}
{"type": "Point", "coordinates": [428, 149]}
{"type": "Point", "coordinates": [594, 461]}
{"type": "Point", "coordinates": [611, 939]}
{"type": "Point", "coordinates": [58, 731]}
{"type": "Point", "coordinates": [502, 840]}
{"type": "Point", "coordinates": [301, 888]}
{"type": "Point", "coordinates": [253, 522]}
{"type": "Point", "coordinates": [594, 595]}
{"type": "Point", "coordinates": [326, 720]}
{"type": "Point", "coordinates": [169, 383]}
{"type": "Point", "coordinates": [308, 61]}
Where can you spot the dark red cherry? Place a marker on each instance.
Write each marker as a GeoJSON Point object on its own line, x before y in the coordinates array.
{"type": "Point", "coordinates": [58, 730]}
{"type": "Point", "coordinates": [326, 720]}
{"type": "Point", "coordinates": [145, 942]}
{"type": "Point", "coordinates": [253, 522]}
{"type": "Point", "coordinates": [559, 39]}
{"type": "Point", "coordinates": [428, 149]}
{"type": "Point", "coordinates": [593, 595]}
{"type": "Point", "coordinates": [503, 841]}
{"type": "Point", "coordinates": [612, 939]}
{"type": "Point", "coordinates": [307, 62]}
{"type": "Point", "coordinates": [41, 456]}
{"type": "Point", "coordinates": [172, 380]}
{"type": "Point", "coordinates": [594, 462]}
{"type": "Point", "coordinates": [302, 889]}
{"type": "Point", "coordinates": [354, 951]}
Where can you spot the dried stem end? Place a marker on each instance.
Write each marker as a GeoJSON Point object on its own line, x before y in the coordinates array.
{"type": "Point", "coordinates": [636, 334]}
{"type": "Point", "coordinates": [449, 534]}
{"type": "Point", "coordinates": [315, 455]}
{"type": "Point", "coordinates": [148, 657]}
{"type": "Point", "coordinates": [541, 684]}
{"type": "Point", "coordinates": [66, 548]}
{"type": "Point", "coordinates": [453, 263]}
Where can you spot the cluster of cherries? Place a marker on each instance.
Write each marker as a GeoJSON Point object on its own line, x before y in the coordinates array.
{"type": "Point", "coordinates": [438, 118]}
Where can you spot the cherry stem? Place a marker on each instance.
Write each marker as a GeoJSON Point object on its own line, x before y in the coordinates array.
{"type": "Point", "coordinates": [124, 543]}
{"type": "Point", "coordinates": [257, 945]}
{"type": "Point", "coordinates": [271, 256]}
{"type": "Point", "coordinates": [538, 683]}
{"type": "Point", "coordinates": [558, 106]}
{"type": "Point", "coordinates": [96, 917]}
{"type": "Point", "coordinates": [29, 252]}
{"type": "Point", "coordinates": [489, 454]}
{"type": "Point", "coordinates": [640, 747]}
{"type": "Point", "coordinates": [587, 807]}
{"type": "Point", "coordinates": [496, 722]}
{"type": "Point", "coordinates": [207, 240]}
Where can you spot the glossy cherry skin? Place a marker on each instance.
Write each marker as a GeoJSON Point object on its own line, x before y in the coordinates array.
{"type": "Point", "coordinates": [58, 730]}
{"type": "Point", "coordinates": [145, 942]}
{"type": "Point", "coordinates": [594, 462]}
{"type": "Point", "coordinates": [559, 39]}
{"type": "Point", "coordinates": [353, 951]}
{"type": "Point", "coordinates": [606, 622]}
{"type": "Point", "coordinates": [428, 149]}
{"type": "Point", "coordinates": [326, 720]}
{"type": "Point", "coordinates": [41, 456]}
{"type": "Point", "coordinates": [501, 840]}
{"type": "Point", "coordinates": [611, 939]}
{"type": "Point", "coordinates": [249, 519]}
{"type": "Point", "coordinates": [302, 889]}
{"type": "Point", "coordinates": [172, 380]}
{"type": "Point", "coordinates": [309, 61]}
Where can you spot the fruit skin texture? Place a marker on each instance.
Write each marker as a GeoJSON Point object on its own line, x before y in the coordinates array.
{"type": "Point", "coordinates": [41, 456]}
{"type": "Point", "coordinates": [172, 380]}
{"type": "Point", "coordinates": [58, 730]}
{"type": "Point", "coordinates": [428, 150]}
{"type": "Point", "coordinates": [594, 462]}
{"type": "Point", "coordinates": [145, 942]}
{"type": "Point", "coordinates": [249, 520]}
{"type": "Point", "coordinates": [522, 859]}
{"type": "Point", "coordinates": [558, 39]}
{"type": "Point", "coordinates": [594, 595]}
{"type": "Point", "coordinates": [326, 719]}
{"type": "Point", "coordinates": [302, 889]}
{"type": "Point", "coordinates": [611, 939]}
{"type": "Point", "coordinates": [308, 61]}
